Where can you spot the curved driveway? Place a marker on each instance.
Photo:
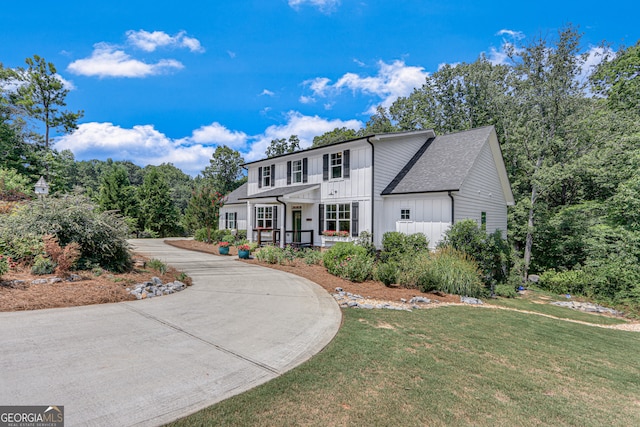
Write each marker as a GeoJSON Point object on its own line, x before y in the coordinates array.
{"type": "Point", "coordinates": [151, 361]}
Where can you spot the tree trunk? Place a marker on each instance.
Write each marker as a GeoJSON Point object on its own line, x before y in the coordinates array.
{"type": "Point", "coordinates": [531, 222]}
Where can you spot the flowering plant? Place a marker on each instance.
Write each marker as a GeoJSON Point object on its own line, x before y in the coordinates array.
{"type": "Point", "coordinates": [332, 233]}
{"type": "Point", "coordinates": [244, 247]}
{"type": "Point", "coordinates": [223, 244]}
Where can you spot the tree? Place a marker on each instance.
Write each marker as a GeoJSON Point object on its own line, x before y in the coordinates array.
{"type": "Point", "coordinates": [618, 79]}
{"type": "Point", "coordinates": [379, 123]}
{"type": "Point", "coordinates": [224, 170]}
{"type": "Point", "coordinates": [204, 208]}
{"type": "Point", "coordinates": [117, 193]}
{"type": "Point", "coordinates": [333, 136]}
{"type": "Point", "coordinates": [41, 95]}
{"type": "Point", "coordinates": [281, 146]}
{"type": "Point", "coordinates": [158, 212]}
{"type": "Point", "coordinates": [180, 183]}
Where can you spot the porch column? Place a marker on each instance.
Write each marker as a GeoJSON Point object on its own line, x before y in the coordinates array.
{"type": "Point", "coordinates": [250, 221]}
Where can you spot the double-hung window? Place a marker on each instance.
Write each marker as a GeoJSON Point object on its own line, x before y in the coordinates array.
{"type": "Point", "coordinates": [338, 217]}
{"type": "Point", "coordinates": [296, 171]}
{"type": "Point", "coordinates": [266, 176]}
{"type": "Point", "coordinates": [264, 217]}
{"type": "Point", "coordinates": [232, 221]}
{"type": "Point", "coordinates": [336, 165]}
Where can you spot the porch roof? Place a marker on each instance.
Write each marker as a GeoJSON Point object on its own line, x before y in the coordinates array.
{"type": "Point", "coordinates": [285, 192]}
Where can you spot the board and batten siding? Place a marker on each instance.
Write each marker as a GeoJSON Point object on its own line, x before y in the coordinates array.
{"type": "Point", "coordinates": [430, 215]}
{"type": "Point", "coordinates": [481, 192]}
{"type": "Point", "coordinates": [241, 215]}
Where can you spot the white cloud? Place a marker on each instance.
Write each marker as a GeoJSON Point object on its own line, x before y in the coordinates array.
{"type": "Point", "coordinates": [67, 84]}
{"type": "Point", "coordinates": [517, 35]}
{"type": "Point", "coordinates": [107, 61]}
{"type": "Point", "coordinates": [392, 81]}
{"type": "Point", "coordinates": [217, 134]}
{"type": "Point", "coordinates": [267, 92]}
{"type": "Point", "coordinates": [324, 6]}
{"type": "Point", "coordinates": [305, 127]}
{"type": "Point", "coordinates": [307, 99]}
{"type": "Point", "coordinates": [150, 41]}
{"type": "Point", "coordinates": [142, 145]}
{"type": "Point", "coordinates": [593, 57]}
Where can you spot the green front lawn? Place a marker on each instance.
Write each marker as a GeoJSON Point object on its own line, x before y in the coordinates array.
{"type": "Point", "coordinates": [451, 366]}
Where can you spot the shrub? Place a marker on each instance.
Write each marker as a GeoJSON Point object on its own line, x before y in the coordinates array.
{"type": "Point", "coordinates": [311, 256]}
{"type": "Point", "coordinates": [577, 282]}
{"type": "Point", "coordinates": [4, 266]}
{"type": "Point", "coordinates": [355, 268]}
{"type": "Point", "coordinates": [453, 272]}
{"type": "Point", "coordinates": [201, 235]}
{"type": "Point", "coordinates": [396, 244]}
{"type": "Point", "coordinates": [506, 291]}
{"type": "Point", "coordinates": [228, 238]}
{"type": "Point", "coordinates": [386, 272]}
{"type": "Point", "coordinates": [333, 257]}
{"type": "Point", "coordinates": [101, 235]}
{"type": "Point", "coordinates": [157, 265]}
{"type": "Point", "coordinates": [270, 255]}
{"type": "Point", "coordinates": [21, 248]}
{"type": "Point", "coordinates": [241, 235]}
{"type": "Point", "coordinates": [412, 270]}
{"type": "Point", "coordinates": [63, 258]}
{"type": "Point", "coordinates": [42, 265]}
{"type": "Point", "coordinates": [365, 239]}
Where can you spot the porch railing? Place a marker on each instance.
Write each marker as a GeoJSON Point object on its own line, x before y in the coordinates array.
{"type": "Point", "coordinates": [270, 236]}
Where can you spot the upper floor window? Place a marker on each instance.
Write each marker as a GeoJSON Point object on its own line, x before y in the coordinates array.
{"type": "Point", "coordinates": [335, 165]}
{"type": "Point", "coordinates": [266, 176]}
{"type": "Point", "coordinates": [405, 214]}
{"type": "Point", "coordinates": [296, 171]}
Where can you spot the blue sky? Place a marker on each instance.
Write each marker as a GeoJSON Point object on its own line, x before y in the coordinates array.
{"type": "Point", "coordinates": [166, 81]}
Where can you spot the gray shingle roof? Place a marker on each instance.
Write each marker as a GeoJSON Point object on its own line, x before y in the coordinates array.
{"type": "Point", "coordinates": [441, 164]}
{"type": "Point", "coordinates": [237, 194]}
{"type": "Point", "coordinates": [282, 191]}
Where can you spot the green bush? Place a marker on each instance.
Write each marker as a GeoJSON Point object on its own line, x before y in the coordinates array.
{"type": "Point", "coordinates": [365, 239]}
{"type": "Point", "coordinates": [412, 270]}
{"type": "Point", "coordinates": [4, 266]}
{"type": "Point", "coordinates": [396, 244]}
{"type": "Point", "coordinates": [386, 272]}
{"type": "Point", "coordinates": [201, 235]}
{"type": "Point", "coordinates": [228, 238]}
{"type": "Point", "coordinates": [356, 268]}
{"type": "Point", "coordinates": [334, 256]}
{"type": "Point", "coordinates": [312, 256]}
{"type": "Point", "coordinates": [576, 282]}
{"type": "Point", "coordinates": [270, 255]}
{"type": "Point", "coordinates": [242, 235]}
{"type": "Point", "coordinates": [506, 291]}
{"type": "Point", "coordinates": [71, 218]}
{"type": "Point", "coordinates": [21, 248]}
{"type": "Point", "coordinates": [42, 265]}
{"type": "Point", "coordinates": [453, 272]}
{"type": "Point", "coordinates": [157, 265]}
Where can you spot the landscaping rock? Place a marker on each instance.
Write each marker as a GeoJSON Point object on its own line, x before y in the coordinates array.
{"type": "Point", "coordinates": [587, 307]}
{"type": "Point", "coordinates": [469, 300]}
{"type": "Point", "coordinates": [419, 299]}
{"type": "Point", "coordinates": [534, 278]}
{"type": "Point", "coordinates": [155, 288]}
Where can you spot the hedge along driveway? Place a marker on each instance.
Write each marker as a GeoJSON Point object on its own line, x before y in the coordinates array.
{"type": "Point", "coordinates": [151, 361]}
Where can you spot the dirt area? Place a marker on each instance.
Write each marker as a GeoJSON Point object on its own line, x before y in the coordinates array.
{"type": "Point", "coordinates": [318, 274]}
{"type": "Point", "coordinates": [89, 289]}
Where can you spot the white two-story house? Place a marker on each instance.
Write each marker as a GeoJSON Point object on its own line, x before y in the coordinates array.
{"type": "Point", "coordinates": [408, 181]}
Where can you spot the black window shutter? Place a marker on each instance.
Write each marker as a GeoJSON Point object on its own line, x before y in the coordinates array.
{"type": "Point", "coordinates": [355, 212]}
{"type": "Point", "coordinates": [289, 173]}
{"type": "Point", "coordinates": [325, 167]}
{"type": "Point", "coordinates": [255, 217]}
{"type": "Point", "coordinates": [275, 217]}
{"type": "Point", "coordinates": [273, 175]}
{"type": "Point", "coordinates": [260, 177]}
{"type": "Point", "coordinates": [345, 165]}
{"type": "Point", "coordinates": [226, 220]}
{"type": "Point", "coordinates": [305, 172]}
{"type": "Point", "coordinates": [320, 218]}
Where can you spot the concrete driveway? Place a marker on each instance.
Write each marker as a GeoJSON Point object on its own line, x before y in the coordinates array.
{"type": "Point", "coordinates": [152, 361]}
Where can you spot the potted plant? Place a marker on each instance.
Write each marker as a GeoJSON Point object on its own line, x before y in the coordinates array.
{"type": "Point", "coordinates": [244, 250]}
{"type": "Point", "coordinates": [223, 248]}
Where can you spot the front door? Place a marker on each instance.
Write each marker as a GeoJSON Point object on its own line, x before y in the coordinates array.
{"type": "Point", "coordinates": [297, 226]}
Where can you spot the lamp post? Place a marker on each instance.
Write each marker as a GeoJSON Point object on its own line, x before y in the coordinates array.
{"type": "Point", "coordinates": [42, 188]}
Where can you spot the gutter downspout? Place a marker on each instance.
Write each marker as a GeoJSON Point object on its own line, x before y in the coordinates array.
{"type": "Point", "coordinates": [283, 233]}
{"type": "Point", "coordinates": [452, 208]}
{"type": "Point", "coordinates": [373, 152]}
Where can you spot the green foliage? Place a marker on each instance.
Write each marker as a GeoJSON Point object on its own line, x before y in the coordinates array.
{"type": "Point", "coordinates": [453, 272]}
{"type": "Point", "coordinates": [617, 79]}
{"type": "Point", "coordinates": [157, 265]}
{"type": "Point", "coordinates": [412, 270]}
{"type": "Point", "coordinates": [335, 135]}
{"type": "Point", "coordinates": [42, 265]}
{"type": "Point", "coordinates": [355, 268]}
{"type": "Point", "coordinates": [224, 172]}
{"type": "Point", "coordinates": [117, 194]}
{"type": "Point", "coordinates": [4, 266]}
{"type": "Point", "coordinates": [574, 282]}
{"type": "Point", "coordinates": [505, 291]}
{"type": "Point", "coordinates": [386, 272]}
{"type": "Point", "coordinates": [281, 146]}
{"type": "Point", "coordinates": [396, 244]}
{"type": "Point", "coordinates": [365, 239]}
{"type": "Point", "coordinates": [228, 238]}
{"type": "Point", "coordinates": [270, 255]}
{"type": "Point", "coordinates": [335, 255]}
{"type": "Point", "coordinates": [201, 235]}
{"type": "Point", "coordinates": [311, 256]}
{"type": "Point", "coordinates": [158, 212]}
{"type": "Point", "coordinates": [203, 209]}
{"type": "Point", "coordinates": [491, 251]}
{"type": "Point", "coordinates": [101, 235]}
{"type": "Point", "coordinates": [12, 181]}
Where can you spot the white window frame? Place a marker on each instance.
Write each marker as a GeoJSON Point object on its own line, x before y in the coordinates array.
{"type": "Point", "coordinates": [405, 214]}
{"type": "Point", "coordinates": [264, 217]}
{"type": "Point", "coordinates": [336, 164]}
{"type": "Point", "coordinates": [266, 176]}
{"type": "Point", "coordinates": [296, 171]}
{"type": "Point", "coordinates": [337, 217]}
